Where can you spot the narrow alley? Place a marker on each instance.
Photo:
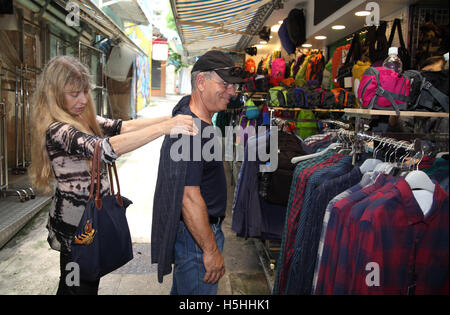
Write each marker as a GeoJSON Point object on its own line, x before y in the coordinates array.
{"type": "Point", "coordinates": [29, 266]}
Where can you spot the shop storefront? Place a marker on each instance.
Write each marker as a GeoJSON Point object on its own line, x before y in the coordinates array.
{"type": "Point", "coordinates": [318, 73]}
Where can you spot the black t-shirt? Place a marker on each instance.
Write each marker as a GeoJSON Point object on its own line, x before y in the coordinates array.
{"type": "Point", "coordinates": [206, 173]}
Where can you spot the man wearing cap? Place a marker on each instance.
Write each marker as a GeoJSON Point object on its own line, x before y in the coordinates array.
{"type": "Point", "coordinates": [190, 195]}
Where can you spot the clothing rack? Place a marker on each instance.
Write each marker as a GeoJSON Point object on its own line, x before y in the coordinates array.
{"type": "Point", "coordinates": [22, 193]}
{"type": "Point", "coordinates": [336, 122]}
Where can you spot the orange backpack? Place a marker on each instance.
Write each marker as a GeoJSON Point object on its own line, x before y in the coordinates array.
{"type": "Point", "coordinates": [250, 65]}
{"type": "Point", "coordinates": [314, 69]}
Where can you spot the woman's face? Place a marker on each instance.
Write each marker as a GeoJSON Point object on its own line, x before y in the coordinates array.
{"type": "Point", "coordinates": [75, 101]}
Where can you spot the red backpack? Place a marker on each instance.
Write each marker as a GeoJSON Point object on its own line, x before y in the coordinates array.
{"type": "Point", "coordinates": [382, 88]}
{"type": "Point", "coordinates": [277, 70]}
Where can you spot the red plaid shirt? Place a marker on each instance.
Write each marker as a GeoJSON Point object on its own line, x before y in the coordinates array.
{"type": "Point", "coordinates": [336, 234]}
{"type": "Point", "coordinates": [293, 217]}
{"type": "Point", "coordinates": [398, 248]}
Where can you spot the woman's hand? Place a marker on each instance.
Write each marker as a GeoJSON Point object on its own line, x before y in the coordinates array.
{"type": "Point", "coordinates": [180, 124]}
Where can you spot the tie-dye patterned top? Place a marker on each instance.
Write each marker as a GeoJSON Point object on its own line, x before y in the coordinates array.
{"type": "Point", "coordinates": [70, 151]}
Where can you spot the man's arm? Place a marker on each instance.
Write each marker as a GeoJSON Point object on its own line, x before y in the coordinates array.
{"type": "Point", "coordinates": [195, 217]}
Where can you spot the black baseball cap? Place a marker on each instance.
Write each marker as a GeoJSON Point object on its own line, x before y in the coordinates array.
{"type": "Point", "coordinates": [221, 63]}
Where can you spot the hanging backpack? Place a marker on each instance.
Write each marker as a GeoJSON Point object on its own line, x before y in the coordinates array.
{"type": "Point", "coordinates": [252, 51]}
{"type": "Point", "coordinates": [296, 27]}
{"type": "Point", "coordinates": [285, 39]}
{"type": "Point", "coordinates": [300, 77]}
{"type": "Point", "coordinates": [277, 71]}
{"type": "Point", "coordinates": [321, 98]}
{"type": "Point", "coordinates": [357, 72]}
{"type": "Point", "coordinates": [314, 69]}
{"type": "Point", "coordinates": [250, 109]}
{"type": "Point", "coordinates": [298, 64]}
{"type": "Point", "coordinates": [278, 96]}
{"type": "Point", "coordinates": [261, 83]}
{"type": "Point", "coordinates": [249, 84]}
{"type": "Point", "coordinates": [291, 97]}
{"type": "Point", "coordinates": [429, 90]}
{"type": "Point", "coordinates": [339, 95]}
{"type": "Point", "coordinates": [250, 65]}
{"type": "Point", "coordinates": [301, 98]}
{"type": "Point", "coordinates": [326, 77]}
{"type": "Point", "coordinates": [260, 69]}
{"type": "Point", "coordinates": [265, 115]}
{"type": "Point", "coordinates": [306, 124]}
{"type": "Point", "coordinates": [337, 62]}
{"type": "Point", "coordinates": [382, 88]}
{"type": "Point", "coordinates": [403, 52]}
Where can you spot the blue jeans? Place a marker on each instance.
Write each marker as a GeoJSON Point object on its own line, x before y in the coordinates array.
{"type": "Point", "coordinates": [188, 270]}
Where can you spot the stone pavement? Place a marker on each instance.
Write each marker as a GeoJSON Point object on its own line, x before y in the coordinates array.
{"type": "Point", "coordinates": [29, 266]}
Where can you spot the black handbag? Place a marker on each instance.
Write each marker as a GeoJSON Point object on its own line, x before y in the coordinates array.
{"type": "Point", "coordinates": [102, 242]}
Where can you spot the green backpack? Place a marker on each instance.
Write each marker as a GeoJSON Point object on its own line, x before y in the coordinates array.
{"type": "Point", "coordinates": [300, 77]}
{"type": "Point", "coordinates": [306, 124]}
{"type": "Point", "coordinates": [278, 96]}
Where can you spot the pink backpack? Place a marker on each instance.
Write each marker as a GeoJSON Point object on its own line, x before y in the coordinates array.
{"type": "Point", "coordinates": [278, 69]}
{"type": "Point", "coordinates": [382, 88]}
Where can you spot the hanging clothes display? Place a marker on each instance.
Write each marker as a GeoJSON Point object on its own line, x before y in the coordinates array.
{"type": "Point", "coordinates": [344, 221]}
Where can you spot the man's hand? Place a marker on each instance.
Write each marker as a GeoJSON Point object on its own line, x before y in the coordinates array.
{"type": "Point", "coordinates": [214, 265]}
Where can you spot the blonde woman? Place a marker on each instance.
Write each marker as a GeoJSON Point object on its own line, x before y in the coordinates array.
{"type": "Point", "coordinates": [65, 129]}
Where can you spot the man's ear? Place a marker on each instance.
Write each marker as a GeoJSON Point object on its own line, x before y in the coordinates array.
{"type": "Point", "coordinates": [201, 81]}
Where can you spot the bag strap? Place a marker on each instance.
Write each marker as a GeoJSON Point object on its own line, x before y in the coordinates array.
{"type": "Point", "coordinates": [95, 175]}
{"type": "Point", "coordinates": [355, 49]}
{"type": "Point", "coordinates": [438, 95]}
{"type": "Point", "coordinates": [95, 178]}
{"type": "Point", "coordinates": [382, 92]}
{"type": "Point", "coordinates": [397, 25]}
{"type": "Point", "coordinates": [118, 195]}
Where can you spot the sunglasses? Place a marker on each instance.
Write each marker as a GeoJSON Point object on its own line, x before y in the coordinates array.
{"type": "Point", "coordinates": [227, 85]}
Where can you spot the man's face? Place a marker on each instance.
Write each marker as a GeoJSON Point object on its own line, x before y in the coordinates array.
{"type": "Point", "coordinates": [217, 93]}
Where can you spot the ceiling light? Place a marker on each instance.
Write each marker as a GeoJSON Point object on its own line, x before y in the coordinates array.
{"type": "Point", "coordinates": [259, 46]}
{"type": "Point", "coordinates": [362, 13]}
{"type": "Point", "coordinates": [263, 42]}
{"type": "Point", "coordinates": [306, 45]}
{"type": "Point", "coordinates": [275, 28]}
{"type": "Point", "coordinates": [320, 37]}
{"type": "Point", "coordinates": [338, 27]}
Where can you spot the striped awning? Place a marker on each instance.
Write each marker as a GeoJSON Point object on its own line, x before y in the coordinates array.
{"type": "Point", "coordinates": [219, 24]}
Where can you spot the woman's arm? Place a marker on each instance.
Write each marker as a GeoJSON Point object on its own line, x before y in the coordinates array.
{"type": "Point", "coordinates": [133, 125]}
{"type": "Point", "coordinates": [131, 140]}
